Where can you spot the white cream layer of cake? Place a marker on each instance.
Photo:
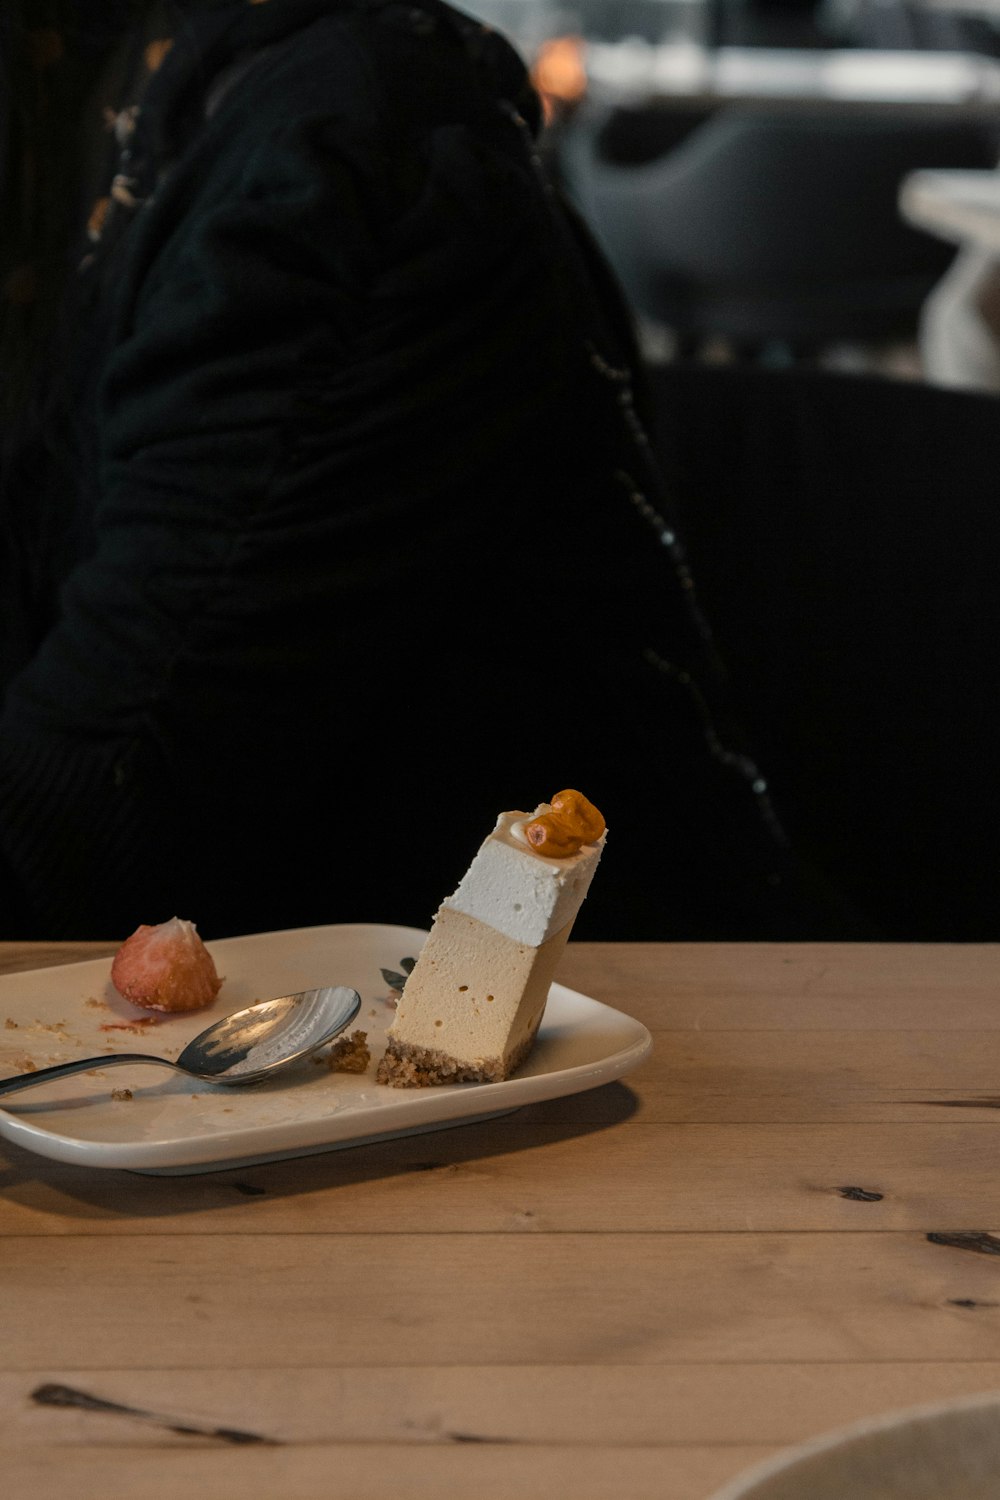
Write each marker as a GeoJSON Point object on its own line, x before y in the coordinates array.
{"type": "Point", "coordinates": [475, 994]}
{"type": "Point", "coordinates": [527, 897]}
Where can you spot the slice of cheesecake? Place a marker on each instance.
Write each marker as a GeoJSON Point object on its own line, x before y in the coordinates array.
{"type": "Point", "coordinates": [473, 1003]}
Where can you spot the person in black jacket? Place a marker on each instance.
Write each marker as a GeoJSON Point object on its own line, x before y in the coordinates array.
{"type": "Point", "coordinates": [330, 525]}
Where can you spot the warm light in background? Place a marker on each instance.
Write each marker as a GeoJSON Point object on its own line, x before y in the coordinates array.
{"type": "Point", "coordinates": [558, 72]}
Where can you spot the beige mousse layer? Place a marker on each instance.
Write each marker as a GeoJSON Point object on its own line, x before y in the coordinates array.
{"type": "Point", "coordinates": [472, 1005]}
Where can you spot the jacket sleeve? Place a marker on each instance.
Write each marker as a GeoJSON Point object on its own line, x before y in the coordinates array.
{"type": "Point", "coordinates": [163, 628]}
{"type": "Point", "coordinates": [272, 480]}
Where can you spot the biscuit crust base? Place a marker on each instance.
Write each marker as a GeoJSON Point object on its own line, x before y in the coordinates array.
{"type": "Point", "coordinates": [407, 1067]}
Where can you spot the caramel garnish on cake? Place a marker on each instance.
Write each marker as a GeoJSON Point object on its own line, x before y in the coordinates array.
{"type": "Point", "coordinates": [573, 822]}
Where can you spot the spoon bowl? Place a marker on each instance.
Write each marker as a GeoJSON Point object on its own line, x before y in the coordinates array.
{"type": "Point", "coordinates": [241, 1048]}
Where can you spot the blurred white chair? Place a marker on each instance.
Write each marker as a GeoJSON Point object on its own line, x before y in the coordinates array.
{"type": "Point", "coordinates": [959, 328]}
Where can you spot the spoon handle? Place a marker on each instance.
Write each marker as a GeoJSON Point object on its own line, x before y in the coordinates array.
{"type": "Point", "coordinates": [79, 1065]}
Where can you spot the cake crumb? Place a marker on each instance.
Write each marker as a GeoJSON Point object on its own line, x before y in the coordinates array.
{"type": "Point", "coordinates": [26, 1065]}
{"type": "Point", "coordinates": [95, 1004]}
{"type": "Point", "coordinates": [350, 1054]}
{"type": "Point", "coordinates": [121, 1093]}
{"type": "Point", "coordinates": [10, 1024]}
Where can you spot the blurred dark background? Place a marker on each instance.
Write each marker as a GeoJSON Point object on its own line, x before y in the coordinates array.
{"type": "Point", "coordinates": [801, 205]}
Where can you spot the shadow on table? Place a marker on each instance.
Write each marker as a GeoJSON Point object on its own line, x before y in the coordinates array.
{"type": "Point", "coordinates": [51, 1187]}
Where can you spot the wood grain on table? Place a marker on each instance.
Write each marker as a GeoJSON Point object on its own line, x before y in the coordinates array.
{"type": "Point", "coordinates": [782, 1222]}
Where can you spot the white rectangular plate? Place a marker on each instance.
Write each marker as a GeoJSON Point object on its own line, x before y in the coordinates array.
{"type": "Point", "coordinates": [176, 1124]}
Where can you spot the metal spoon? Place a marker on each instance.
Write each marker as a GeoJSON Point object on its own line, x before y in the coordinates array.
{"type": "Point", "coordinates": [242, 1048]}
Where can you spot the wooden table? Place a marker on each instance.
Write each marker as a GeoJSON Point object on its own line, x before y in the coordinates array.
{"type": "Point", "coordinates": [780, 1224]}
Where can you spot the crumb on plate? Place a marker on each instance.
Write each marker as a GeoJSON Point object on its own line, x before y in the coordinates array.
{"type": "Point", "coordinates": [350, 1054]}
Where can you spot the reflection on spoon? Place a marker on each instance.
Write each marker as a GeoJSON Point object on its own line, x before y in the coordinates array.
{"type": "Point", "coordinates": [245, 1047]}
